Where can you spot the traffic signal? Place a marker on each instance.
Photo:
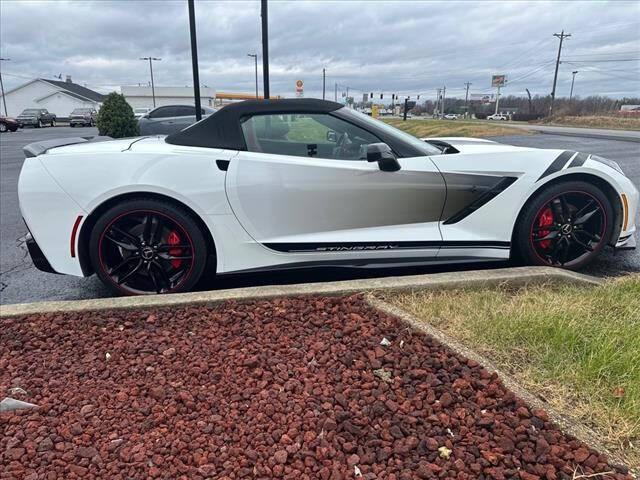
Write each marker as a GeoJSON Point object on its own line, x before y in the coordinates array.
{"type": "Point", "coordinates": [418, 97]}
{"type": "Point", "coordinates": [371, 96]}
{"type": "Point", "coordinates": [380, 96]}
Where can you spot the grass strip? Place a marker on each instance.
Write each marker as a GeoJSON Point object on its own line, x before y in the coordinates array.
{"type": "Point", "coordinates": [576, 347]}
{"type": "Point", "coordinates": [453, 128]}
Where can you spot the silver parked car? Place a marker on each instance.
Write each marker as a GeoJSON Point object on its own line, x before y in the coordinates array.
{"type": "Point", "coordinates": [169, 119]}
{"type": "Point", "coordinates": [85, 117]}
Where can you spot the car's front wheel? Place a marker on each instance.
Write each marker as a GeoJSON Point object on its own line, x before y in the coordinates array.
{"type": "Point", "coordinates": [53, 123]}
{"type": "Point", "coordinates": [565, 225]}
{"type": "Point", "coordinates": [148, 246]}
{"type": "Point", "coordinates": [40, 124]}
{"type": "Point", "coordinates": [3, 127]}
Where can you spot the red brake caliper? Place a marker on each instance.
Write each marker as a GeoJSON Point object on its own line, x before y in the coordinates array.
{"type": "Point", "coordinates": [545, 219]}
{"type": "Point", "coordinates": [174, 239]}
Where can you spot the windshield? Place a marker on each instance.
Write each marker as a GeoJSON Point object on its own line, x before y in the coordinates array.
{"type": "Point", "coordinates": [30, 110]}
{"type": "Point", "coordinates": [414, 141]}
{"type": "Point", "coordinates": [82, 110]}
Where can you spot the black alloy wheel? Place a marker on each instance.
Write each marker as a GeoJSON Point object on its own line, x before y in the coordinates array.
{"type": "Point", "coordinates": [148, 247]}
{"type": "Point", "coordinates": [566, 225]}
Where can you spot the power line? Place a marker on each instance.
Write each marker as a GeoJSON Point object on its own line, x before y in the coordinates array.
{"type": "Point", "coordinates": [561, 36]}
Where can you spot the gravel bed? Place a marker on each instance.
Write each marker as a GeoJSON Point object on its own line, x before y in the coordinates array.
{"type": "Point", "coordinates": [322, 388]}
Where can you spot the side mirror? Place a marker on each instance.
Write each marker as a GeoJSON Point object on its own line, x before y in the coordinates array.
{"type": "Point", "coordinates": [332, 136]}
{"type": "Point", "coordinates": [382, 153]}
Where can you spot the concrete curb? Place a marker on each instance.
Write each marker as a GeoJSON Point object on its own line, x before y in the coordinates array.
{"type": "Point", "coordinates": [598, 133]}
{"type": "Point", "coordinates": [518, 276]}
{"type": "Point", "coordinates": [619, 138]}
{"type": "Point", "coordinates": [565, 422]}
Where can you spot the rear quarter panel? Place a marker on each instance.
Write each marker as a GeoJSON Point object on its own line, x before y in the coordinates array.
{"type": "Point", "coordinates": [75, 181]}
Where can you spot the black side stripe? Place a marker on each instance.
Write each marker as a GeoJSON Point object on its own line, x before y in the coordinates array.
{"type": "Point", "coordinates": [579, 160]}
{"type": "Point", "coordinates": [487, 196]}
{"type": "Point", "coordinates": [377, 246]}
{"type": "Point", "coordinates": [558, 164]}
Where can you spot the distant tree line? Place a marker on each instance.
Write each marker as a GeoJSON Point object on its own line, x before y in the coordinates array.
{"type": "Point", "coordinates": [536, 105]}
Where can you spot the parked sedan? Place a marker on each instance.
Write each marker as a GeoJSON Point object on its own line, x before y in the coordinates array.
{"type": "Point", "coordinates": [169, 119]}
{"type": "Point", "coordinates": [139, 112]}
{"type": "Point", "coordinates": [85, 117]}
{"type": "Point", "coordinates": [293, 183]}
{"type": "Point", "coordinates": [451, 116]}
{"type": "Point", "coordinates": [497, 116]}
{"type": "Point", "coordinates": [36, 117]}
{"type": "Point", "coordinates": [8, 124]}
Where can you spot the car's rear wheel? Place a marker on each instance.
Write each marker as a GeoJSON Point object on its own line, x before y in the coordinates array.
{"type": "Point", "coordinates": [147, 247]}
{"type": "Point", "coordinates": [3, 127]}
{"type": "Point", "coordinates": [565, 225]}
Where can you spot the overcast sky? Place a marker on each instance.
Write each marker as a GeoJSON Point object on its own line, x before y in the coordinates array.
{"type": "Point", "coordinates": [405, 47]}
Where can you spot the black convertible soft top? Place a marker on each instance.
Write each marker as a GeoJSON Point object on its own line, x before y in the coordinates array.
{"type": "Point", "coordinates": [222, 129]}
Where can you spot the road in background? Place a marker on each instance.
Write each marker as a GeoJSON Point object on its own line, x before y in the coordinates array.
{"type": "Point", "coordinates": [21, 282]}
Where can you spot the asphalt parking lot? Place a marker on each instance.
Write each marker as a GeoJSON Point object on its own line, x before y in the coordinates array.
{"type": "Point", "coordinates": [21, 282]}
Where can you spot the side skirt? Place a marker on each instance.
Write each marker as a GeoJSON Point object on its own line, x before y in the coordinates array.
{"type": "Point", "coordinates": [377, 246]}
{"type": "Point", "coordinates": [368, 263]}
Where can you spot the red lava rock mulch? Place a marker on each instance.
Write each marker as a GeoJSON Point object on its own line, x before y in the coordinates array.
{"type": "Point", "coordinates": [288, 388]}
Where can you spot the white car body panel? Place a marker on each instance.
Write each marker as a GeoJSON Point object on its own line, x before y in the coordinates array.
{"type": "Point", "coordinates": [262, 202]}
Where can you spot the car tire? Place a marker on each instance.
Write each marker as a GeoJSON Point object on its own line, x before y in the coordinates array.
{"type": "Point", "coordinates": [3, 127]}
{"type": "Point", "coordinates": [53, 123]}
{"type": "Point", "coordinates": [39, 124]}
{"type": "Point", "coordinates": [72, 125]}
{"type": "Point", "coordinates": [123, 228]}
{"type": "Point", "coordinates": [552, 230]}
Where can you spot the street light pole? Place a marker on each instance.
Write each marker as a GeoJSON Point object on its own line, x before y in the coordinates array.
{"type": "Point", "coordinates": [153, 89]}
{"type": "Point", "coordinates": [264, 13]}
{"type": "Point", "coordinates": [572, 82]}
{"type": "Point", "coordinates": [255, 57]}
{"type": "Point", "coordinates": [323, 82]}
{"type": "Point", "coordinates": [4, 100]}
{"type": "Point", "coordinates": [194, 60]}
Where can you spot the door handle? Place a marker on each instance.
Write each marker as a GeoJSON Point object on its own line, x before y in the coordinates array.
{"type": "Point", "coordinates": [223, 165]}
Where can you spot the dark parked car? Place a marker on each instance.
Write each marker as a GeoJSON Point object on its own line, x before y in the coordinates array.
{"type": "Point", "coordinates": [170, 119]}
{"type": "Point", "coordinates": [8, 124]}
{"type": "Point", "coordinates": [36, 117]}
{"type": "Point", "coordinates": [83, 116]}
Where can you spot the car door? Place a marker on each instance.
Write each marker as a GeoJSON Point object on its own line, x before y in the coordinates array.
{"type": "Point", "coordinates": [304, 185]}
{"type": "Point", "coordinates": [156, 121]}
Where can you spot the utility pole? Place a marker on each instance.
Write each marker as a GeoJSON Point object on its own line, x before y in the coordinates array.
{"type": "Point", "coordinates": [335, 93]}
{"type": "Point", "coordinates": [4, 100]}
{"type": "Point", "coordinates": [324, 77]}
{"type": "Point", "coordinates": [561, 36]}
{"type": "Point", "coordinates": [497, 100]}
{"type": "Point", "coordinates": [444, 92]}
{"type": "Point", "coordinates": [466, 100]}
{"type": "Point", "coordinates": [153, 88]}
{"type": "Point", "coordinates": [194, 60]}
{"type": "Point", "coordinates": [572, 82]}
{"type": "Point", "coordinates": [255, 57]}
{"type": "Point", "coordinates": [404, 115]}
{"type": "Point", "coordinates": [264, 13]}
{"type": "Point", "coordinates": [438, 101]}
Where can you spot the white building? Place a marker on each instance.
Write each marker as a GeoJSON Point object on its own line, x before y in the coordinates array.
{"type": "Point", "coordinates": [56, 96]}
{"type": "Point", "coordinates": [141, 96]}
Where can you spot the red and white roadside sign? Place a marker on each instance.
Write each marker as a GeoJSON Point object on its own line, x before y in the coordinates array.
{"type": "Point", "coordinates": [299, 88]}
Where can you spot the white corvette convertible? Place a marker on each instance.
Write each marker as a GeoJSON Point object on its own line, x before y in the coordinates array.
{"type": "Point", "coordinates": [297, 183]}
